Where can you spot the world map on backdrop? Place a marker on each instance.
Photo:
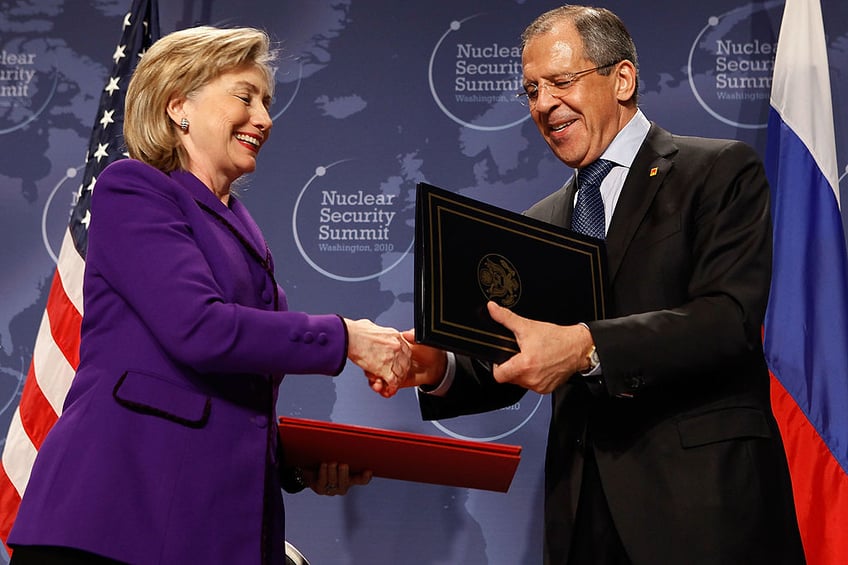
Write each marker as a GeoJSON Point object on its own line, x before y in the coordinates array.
{"type": "Point", "coordinates": [372, 97]}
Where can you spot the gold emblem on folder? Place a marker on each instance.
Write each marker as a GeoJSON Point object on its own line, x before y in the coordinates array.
{"type": "Point", "coordinates": [499, 280]}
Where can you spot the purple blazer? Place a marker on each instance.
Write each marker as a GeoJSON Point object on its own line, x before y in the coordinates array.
{"type": "Point", "coordinates": [166, 448]}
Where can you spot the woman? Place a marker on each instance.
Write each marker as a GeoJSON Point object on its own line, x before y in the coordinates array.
{"type": "Point", "coordinates": [167, 448]}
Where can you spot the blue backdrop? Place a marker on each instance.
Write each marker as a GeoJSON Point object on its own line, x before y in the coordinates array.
{"type": "Point", "coordinates": [372, 97]}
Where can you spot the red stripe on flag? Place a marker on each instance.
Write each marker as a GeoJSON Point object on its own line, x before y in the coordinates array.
{"type": "Point", "coordinates": [37, 415]}
{"type": "Point", "coordinates": [816, 476]}
{"type": "Point", "coordinates": [9, 502]}
{"type": "Point", "coordinates": [65, 321]}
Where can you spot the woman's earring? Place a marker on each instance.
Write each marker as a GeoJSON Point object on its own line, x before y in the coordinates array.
{"type": "Point", "coordinates": [184, 124]}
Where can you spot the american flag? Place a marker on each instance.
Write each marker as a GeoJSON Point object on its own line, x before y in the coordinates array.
{"type": "Point", "coordinates": [806, 325]}
{"type": "Point", "coordinates": [56, 353]}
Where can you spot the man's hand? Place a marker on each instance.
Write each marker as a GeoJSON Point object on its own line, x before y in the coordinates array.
{"type": "Point", "coordinates": [427, 367]}
{"type": "Point", "coordinates": [549, 356]}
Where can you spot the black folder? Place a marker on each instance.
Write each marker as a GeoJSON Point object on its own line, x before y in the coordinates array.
{"type": "Point", "coordinates": [468, 252]}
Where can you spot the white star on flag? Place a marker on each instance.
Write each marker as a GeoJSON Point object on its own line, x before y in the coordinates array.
{"type": "Point", "coordinates": [107, 118]}
{"type": "Point", "coordinates": [119, 53]}
{"type": "Point", "coordinates": [113, 85]}
{"type": "Point", "coordinates": [101, 151]}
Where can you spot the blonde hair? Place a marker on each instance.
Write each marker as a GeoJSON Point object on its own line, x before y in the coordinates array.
{"type": "Point", "coordinates": [177, 65]}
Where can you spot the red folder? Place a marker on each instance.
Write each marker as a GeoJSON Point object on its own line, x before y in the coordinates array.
{"type": "Point", "coordinates": [400, 455]}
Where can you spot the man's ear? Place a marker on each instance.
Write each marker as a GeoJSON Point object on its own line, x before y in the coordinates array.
{"type": "Point", "coordinates": [625, 74]}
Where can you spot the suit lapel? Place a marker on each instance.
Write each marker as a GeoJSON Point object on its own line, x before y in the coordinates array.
{"type": "Point", "coordinates": [235, 219]}
{"type": "Point", "coordinates": [564, 207]}
{"type": "Point", "coordinates": [647, 173]}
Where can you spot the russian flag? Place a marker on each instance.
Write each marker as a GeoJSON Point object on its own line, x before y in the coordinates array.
{"type": "Point", "coordinates": [806, 325]}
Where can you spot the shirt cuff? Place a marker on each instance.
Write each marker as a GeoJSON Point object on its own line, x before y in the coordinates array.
{"type": "Point", "coordinates": [596, 370]}
{"type": "Point", "coordinates": [442, 388]}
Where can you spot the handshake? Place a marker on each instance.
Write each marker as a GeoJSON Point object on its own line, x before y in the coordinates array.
{"type": "Point", "coordinates": [549, 354]}
{"type": "Point", "coordinates": [391, 359]}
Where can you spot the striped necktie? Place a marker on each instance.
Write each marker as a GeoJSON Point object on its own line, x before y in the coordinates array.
{"type": "Point", "coordinates": [588, 217]}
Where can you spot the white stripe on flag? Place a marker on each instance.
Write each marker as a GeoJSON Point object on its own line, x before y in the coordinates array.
{"type": "Point", "coordinates": [801, 76]}
{"type": "Point", "coordinates": [52, 370]}
{"type": "Point", "coordinates": [71, 267]}
{"type": "Point", "coordinates": [19, 454]}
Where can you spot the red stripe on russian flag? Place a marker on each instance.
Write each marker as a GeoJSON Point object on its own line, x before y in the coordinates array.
{"type": "Point", "coordinates": [820, 486]}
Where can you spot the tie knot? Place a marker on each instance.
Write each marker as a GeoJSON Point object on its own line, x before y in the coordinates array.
{"type": "Point", "coordinates": [593, 173]}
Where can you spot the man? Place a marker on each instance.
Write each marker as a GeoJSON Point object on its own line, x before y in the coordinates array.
{"type": "Point", "coordinates": [662, 445]}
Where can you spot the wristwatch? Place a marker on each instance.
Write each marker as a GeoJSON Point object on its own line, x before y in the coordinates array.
{"type": "Point", "coordinates": [593, 359]}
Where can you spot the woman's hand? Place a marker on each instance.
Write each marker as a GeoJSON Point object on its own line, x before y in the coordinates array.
{"type": "Point", "coordinates": [427, 367]}
{"type": "Point", "coordinates": [381, 352]}
{"type": "Point", "coordinates": [333, 479]}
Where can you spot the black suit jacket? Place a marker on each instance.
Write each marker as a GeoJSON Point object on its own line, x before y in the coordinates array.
{"type": "Point", "coordinates": [688, 450]}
